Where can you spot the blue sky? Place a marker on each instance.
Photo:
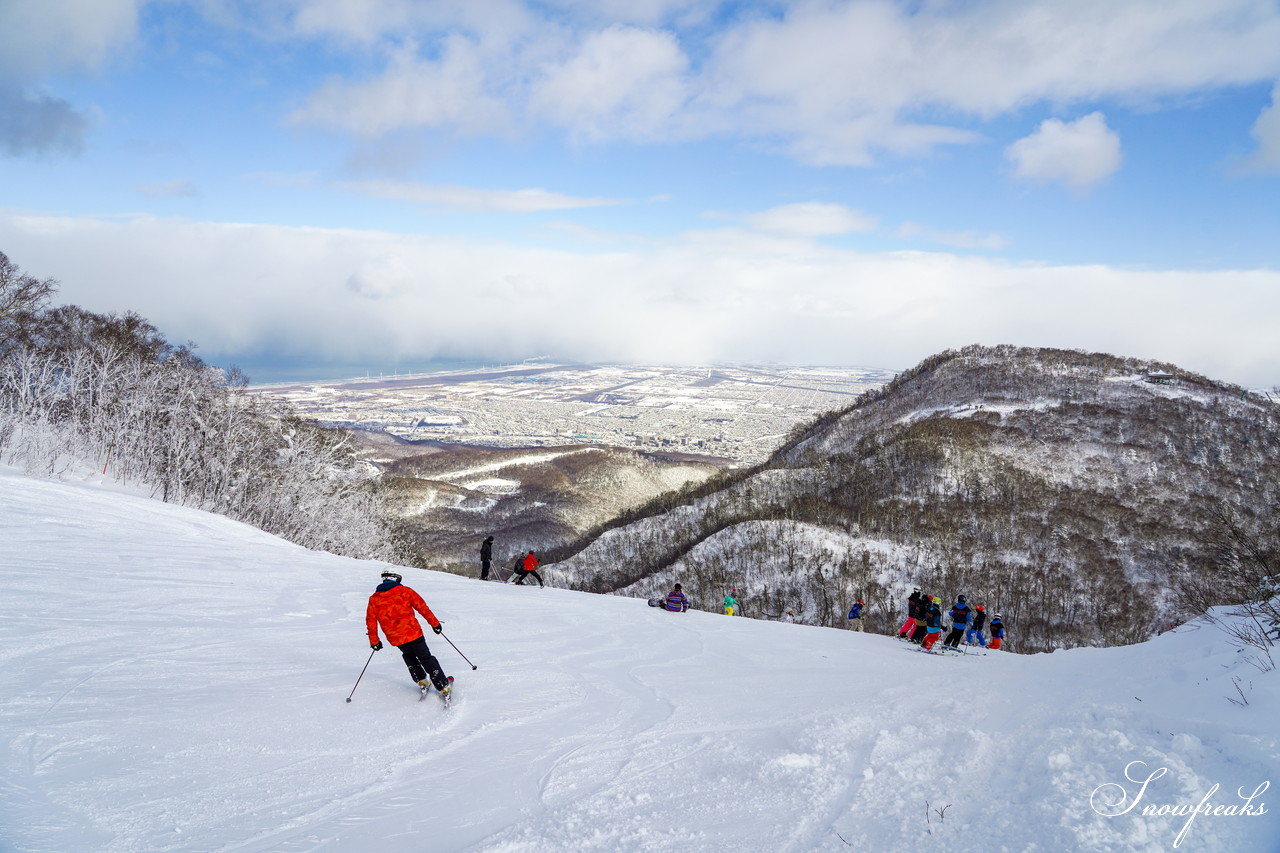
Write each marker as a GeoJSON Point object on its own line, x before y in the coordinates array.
{"type": "Point", "coordinates": [858, 183]}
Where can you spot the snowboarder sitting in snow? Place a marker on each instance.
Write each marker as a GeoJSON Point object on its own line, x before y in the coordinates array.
{"type": "Point", "coordinates": [997, 632]}
{"type": "Point", "coordinates": [528, 566]}
{"type": "Point", "coordinates": [855, 615]}
{"type": "Point", "coordinates": [730, 603]}
{"type": "Point", "coordinates": [676, 600]}
{"type": "Point", "coordinates": [392, 608]}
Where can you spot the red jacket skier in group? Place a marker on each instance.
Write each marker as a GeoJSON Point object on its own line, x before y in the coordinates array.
{"type": "Point", "coordinates": [528, 567]}
{"type": "Point", "coordinates": [392, 607]}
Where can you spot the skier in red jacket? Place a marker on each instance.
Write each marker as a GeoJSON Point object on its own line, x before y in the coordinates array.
{"type": "Point", "coordinates": [528, 567]}
{"type": "Point", "coordinates": [392, 607]}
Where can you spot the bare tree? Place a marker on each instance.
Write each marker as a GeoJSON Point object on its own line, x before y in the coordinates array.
{"type": "Point", "coordinates": [20, 293]}
{"type": "Point", "coordinates": [1245, 581]}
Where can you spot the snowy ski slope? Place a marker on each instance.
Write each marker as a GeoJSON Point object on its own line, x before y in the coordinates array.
{"type": "Point", "coordinates": [171, 680]}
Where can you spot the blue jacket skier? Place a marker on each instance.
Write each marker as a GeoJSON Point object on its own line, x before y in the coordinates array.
{"type": "Point", "coordinates": [974, 634]}
{"type": "Point", "coordinates": [855, 615]}
{"type": "Point", "coordinates": [959, 621]}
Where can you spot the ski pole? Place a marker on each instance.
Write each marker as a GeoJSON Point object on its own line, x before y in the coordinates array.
{"type": "Point", "coordinates": [366, 666]}
{"type": "Point", "coordinates": [456, 649]}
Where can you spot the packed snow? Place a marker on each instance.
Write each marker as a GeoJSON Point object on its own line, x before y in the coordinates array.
{"type": "Point", "coordinates": [175, 681]}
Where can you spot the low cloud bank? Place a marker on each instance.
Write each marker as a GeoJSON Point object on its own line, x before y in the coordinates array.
{"type": "Point", "coordinates": [731, 294]}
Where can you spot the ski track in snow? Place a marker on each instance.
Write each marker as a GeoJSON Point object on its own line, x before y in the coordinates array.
{"type": "Point", "coordinates": [175, 681]}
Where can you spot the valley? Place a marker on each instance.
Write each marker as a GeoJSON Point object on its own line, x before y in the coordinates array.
{"type": "Point", "coordinates": [735, 415]}
{"type": "Point", "coordinates": [538, 454]}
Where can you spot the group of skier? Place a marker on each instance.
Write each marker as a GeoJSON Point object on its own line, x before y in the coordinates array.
{"type": "Point", "coordinates": [925, 623]}
{"type": "Point", "coordinates": [394, 608]}
{"type": "Point", "coordinates": [522, 569]}
{"type": "Point", "coordinates": [677, 602]}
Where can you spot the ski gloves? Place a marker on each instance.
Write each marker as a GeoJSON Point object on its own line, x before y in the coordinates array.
{"type": "Point", "coordinates": [377, 647]}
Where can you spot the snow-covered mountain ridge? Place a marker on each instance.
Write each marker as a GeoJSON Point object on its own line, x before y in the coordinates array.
{"type": "Point", "coordinates": [1062, 488]}
{"type": "Point", "coordinates": [174, 681]}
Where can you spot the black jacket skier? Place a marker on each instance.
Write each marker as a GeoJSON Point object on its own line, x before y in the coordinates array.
{"type": "Point", "coordinates": [486, 555]}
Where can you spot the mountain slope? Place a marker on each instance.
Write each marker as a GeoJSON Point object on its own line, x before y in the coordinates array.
{"type": "Point", "coordinates": [174, 681]}
{"type": "Point", "coordinates": [448, 499]}
{"type": "Point", "coordinates": [1059, 487]}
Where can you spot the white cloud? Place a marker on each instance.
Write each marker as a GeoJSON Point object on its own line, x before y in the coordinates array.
{"type": "Point", "coordinates": [967, 239]}
{"type": "Point", "coordinates": [714, 295]}
{"type": "Point", "coordinates": [50, 36]}
{"type": "Point", "coordinates": [365, 23]}
{"type": "Point", "coordinates": [474, 198]}
{"type": "Point", "coordinates": [832, 82]}
{"type": "Point", "coordinates": [812, 219]}
{"type": "Point", "coordinates": [450, 92]}
{"type": "Point", "coordinates": [647, 12]}
{"type": "Point", "coordinates": [623, 82]}
{"type": "Point", "coordinates": [53, 37]}
{"type": "Point", "coordinates": [381, 277]}
{"type": "Point", "coordinates": [1079, 154]}
{"type": "Point", "coordinates": [1266, 131]}
{"type": "Point", "coordinates": [169, 189]}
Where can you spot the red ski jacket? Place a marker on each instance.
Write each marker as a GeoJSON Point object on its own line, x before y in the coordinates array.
{"type": "Point", "coordinates": [392, 609]}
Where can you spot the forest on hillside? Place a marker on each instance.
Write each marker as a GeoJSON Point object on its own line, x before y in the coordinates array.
{"type": "Point", "coordinates": [1060, 488]}
{"type": "Point", "coordinates": [106, 394]}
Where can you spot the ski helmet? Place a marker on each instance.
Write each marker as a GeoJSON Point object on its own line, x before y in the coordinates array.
{"type": "Point", "coordinates": [937, 600]}
{"type": "Point", "coordinates": [979, 606]}
{"type": "Point", "coordinates": [960, 599]}
{"type": "Point", "coordinates": [391, 576]}
{"type": "Point", "coordinates": [679, 587]}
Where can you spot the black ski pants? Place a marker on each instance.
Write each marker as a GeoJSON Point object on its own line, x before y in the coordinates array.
{"type": "Point", "coordinates": [484, 570]}
{"type": "Point", "coordinates": [953, 639]}
{"type": "Point", "coordinates": [524, 574]}
{"type": "Point", "coordinates": [422, 664]}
